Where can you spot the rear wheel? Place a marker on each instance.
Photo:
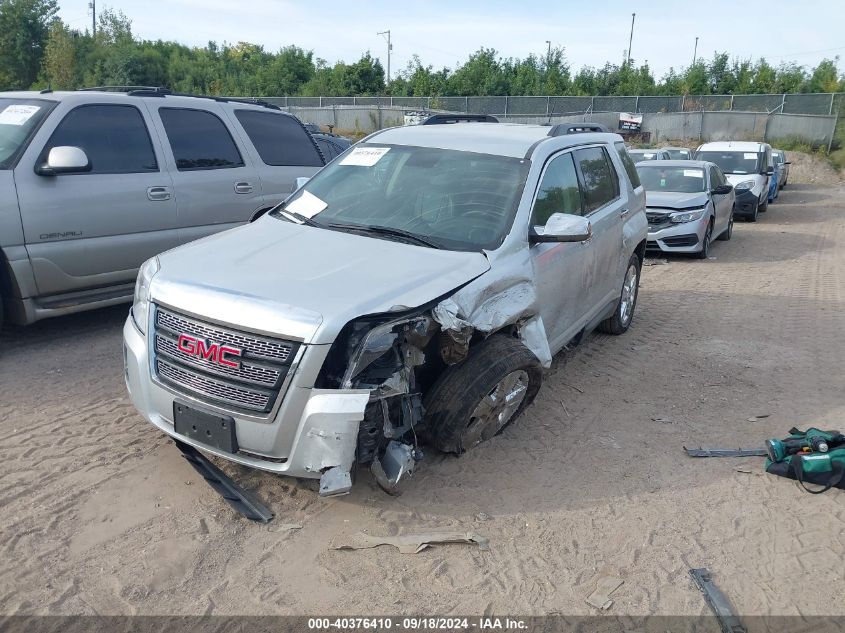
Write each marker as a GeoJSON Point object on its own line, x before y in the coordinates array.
{"type": "Point", "coordinates": [728, 232]}
{"type": "Point", "coordinates": [765, 205]}
{"type": "Point", "coordinates": [475, 400]}
{"type": "Point", "coordinates": [624, 312]}
{"type": "Point", "coordinates": [704, 253]}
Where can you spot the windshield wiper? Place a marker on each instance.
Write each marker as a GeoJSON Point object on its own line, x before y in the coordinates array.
{"type": "Point", "coordinates": [386, 230]}
{"type": "Point", "coordinates": [302, 219]}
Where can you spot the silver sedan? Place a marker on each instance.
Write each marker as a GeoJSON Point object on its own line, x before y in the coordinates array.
{"type": "Point", "coordinates": [688, 205]}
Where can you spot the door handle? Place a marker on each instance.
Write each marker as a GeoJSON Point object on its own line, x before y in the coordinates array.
{"type": "Point", "coordinates": [243, 187]}
{"type": "Point", "coordinates": [157, 194]}
{"type": "Point", "coordinates": [624, 212]}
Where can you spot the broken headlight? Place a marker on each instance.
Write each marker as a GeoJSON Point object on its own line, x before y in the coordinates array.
{"type": "Point", "coordinates": [378, 343]}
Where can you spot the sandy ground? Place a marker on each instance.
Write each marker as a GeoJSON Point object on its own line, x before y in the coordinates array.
{"type": "Point", "coordinates": [101, 515]}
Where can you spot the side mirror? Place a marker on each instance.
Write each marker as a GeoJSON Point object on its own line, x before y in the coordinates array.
{"type": "Point", "coordinates": [260, 211]}
{"type": "Point", "coordinates": [769, 171]}
{"type": "Point", "coordinates": [563, 227]}
{"type": "Point", "coordinates": [721, 190]}
{"type": "Point", "coordinates": [787, 162]}
{"type": "Point", "coordinates": [65, 159]}
{"type": "Point", "coordinates": [300, 182]}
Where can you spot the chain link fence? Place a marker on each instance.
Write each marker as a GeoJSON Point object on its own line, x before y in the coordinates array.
{"type": "Point", "coordinates": [816, 103]}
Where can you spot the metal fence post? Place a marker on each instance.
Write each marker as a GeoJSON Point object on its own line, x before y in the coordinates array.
{"type": "Point", "coordinates": [466, 104]}
{"type": "Point", "coordinates": [548, 106]}
{"type": "Point", "coordinates": [683, 103]}
{"type": "Point", "coordinates": [321, 102]}
{"type": "Point", "coordinates": [732, 103]}
{"type": "Point", "coordinates": [782, 103]}
{"type": "Point", "coordinates": [637, 104]}
{"type": "Point", "coordinates": [506, 106]}
{"type": "Point", "coordinates": [830, 111]}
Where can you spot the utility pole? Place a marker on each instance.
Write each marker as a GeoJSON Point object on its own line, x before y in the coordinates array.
{"type": "Point", "coordinates": [549, 54]}
{"type": "Point", "coordinates": [695, 51]}
{"type": "Point", "coordinates": [93, 6]}
{"type": "Point", "coordinates": [631, 39]}
{"type": "Point", "coordinates": [389, 49]}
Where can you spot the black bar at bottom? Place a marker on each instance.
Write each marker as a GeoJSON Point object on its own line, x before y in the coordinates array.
{"type": "Point", "coordinates": [235, 496]}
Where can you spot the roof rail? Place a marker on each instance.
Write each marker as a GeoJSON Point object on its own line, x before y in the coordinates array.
{"type": "Point", "coordinates": [119, 88]}
{"type": "Point", "coordinates": [561, 129]}
{"type": "Point", "coordinates": [160, 91]}
{"type": "Point", "coordinates": [441, 119]}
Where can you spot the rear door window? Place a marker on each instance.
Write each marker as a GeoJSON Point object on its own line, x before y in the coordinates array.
{"type": "Point", "coordinates": [280, 140]}
{"type": "Point", "coordinates": [114, 137]}
{"type": "Point", "coordinates": [559, 191]}
{"type": "Point", "coordinates": [199, 140]}
{"type": "Point", "coordinates": [601, 184]}
{"type": "Point", "coordinates": [628, 164]}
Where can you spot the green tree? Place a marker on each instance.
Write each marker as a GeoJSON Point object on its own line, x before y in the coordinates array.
{"type": "Point", "coordinates": [60, 57]}
{"type": "Point", "coordinates": [825, 77]}
{"type": "Point", "coordinates": [24, 29]}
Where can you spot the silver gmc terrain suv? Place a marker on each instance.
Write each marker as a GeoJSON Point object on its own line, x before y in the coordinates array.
{"type": "Point", "coordinates": [412, 290]}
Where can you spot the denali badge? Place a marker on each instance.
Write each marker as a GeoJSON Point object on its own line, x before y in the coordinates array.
{"type": "Point", "coordinates": [214, 352]}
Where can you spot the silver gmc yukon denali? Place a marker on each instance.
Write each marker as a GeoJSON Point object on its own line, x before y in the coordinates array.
{"type": "Point", "coordinates": [411, 291]}
{"type": "Point", "coordinates": [93, 183]}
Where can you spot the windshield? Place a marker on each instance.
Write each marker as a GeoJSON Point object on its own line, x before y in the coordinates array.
{"type": "Point", "coordinates": [19, 118]}
{"type": "Point", "coordinates": [678, 179]}
{"type": "Point", "coordinates": [451, 199]}
{"type": "Point", "coordinates": [640, 156]}
{"type": "Point", "coordinates": [678, 154]}
{"type": "Point", "coordinates": [733, 162]}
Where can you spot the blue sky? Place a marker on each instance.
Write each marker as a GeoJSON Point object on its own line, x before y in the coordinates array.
{"type": "Point", "coordinates": [444, 33]}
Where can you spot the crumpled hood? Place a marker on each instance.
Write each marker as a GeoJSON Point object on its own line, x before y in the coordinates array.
{"type": "Point", "coordinates": [675, 200]}
{"type": "Point", "coordinates": [304, 282]}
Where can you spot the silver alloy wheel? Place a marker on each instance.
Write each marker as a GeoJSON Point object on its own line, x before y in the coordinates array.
{"type": "Point", "coordinates": [629, 296]}
{"type": "Point", "coordinates": [496, 408]}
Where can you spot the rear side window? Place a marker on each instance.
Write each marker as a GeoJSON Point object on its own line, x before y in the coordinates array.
{"type": "Point", "coordinates": [199, 140]}
{"type": "Point", "coordinates": [559, 191]}
{"type": "Point", "coordinates": [114, 137]}
{"type": "Point", "coordinates": [601, 184]}
{"type": "Point", "coordinates": [279, 139]}
{"type": "Point", "coordinates": [628, 164]}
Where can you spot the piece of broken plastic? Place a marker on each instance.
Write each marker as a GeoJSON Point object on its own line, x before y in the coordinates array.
{"type": "Point", "coordinates": [335, 481]}
{"type": "Point", "coordinates": [414, 543]}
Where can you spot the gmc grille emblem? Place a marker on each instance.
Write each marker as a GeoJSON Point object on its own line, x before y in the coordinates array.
{"type": "Point", "coordinates": [213, 352]}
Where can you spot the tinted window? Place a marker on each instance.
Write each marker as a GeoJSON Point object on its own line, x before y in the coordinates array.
{"type": "Point", "coordinates": [114, 137]}
{"type": "Point", "coordinates": [279, 139]}
{"type": "Point", "coordinates": [558, 191]}
{"type": "Point", "coordinates": [330, 149]}
{"type": "Point", "coordinates": [599, 177]}
{"type": "Point", "coordinates": [628, 164]}
{"type": "Point", "coordinates": [199, 140]}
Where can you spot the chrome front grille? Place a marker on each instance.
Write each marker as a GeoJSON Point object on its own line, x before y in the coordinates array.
{"type": "Point", "coordinates": [253, 384]}
{"type": "Point", "coordinates": [257, 346]}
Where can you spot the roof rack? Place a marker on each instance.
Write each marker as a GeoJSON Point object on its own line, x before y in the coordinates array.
{"type": "Point", "coordinates": [441, 119]}
{"type": "Point", "coordinates": [561, 129]}
{"type": "Point", "coordinates": [160, 91]}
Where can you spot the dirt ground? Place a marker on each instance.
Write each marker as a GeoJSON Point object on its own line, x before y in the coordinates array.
{"type": "Point", "coordinates": [101, 515]}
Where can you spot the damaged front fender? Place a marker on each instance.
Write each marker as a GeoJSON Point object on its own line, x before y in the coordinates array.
{"type": "Point", "coordinates": [509, 299]}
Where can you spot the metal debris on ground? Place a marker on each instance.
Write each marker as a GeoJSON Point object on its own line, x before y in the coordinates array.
{"type": "Point", "coordinates": [762, 416]}
{"type": "Point", "coordinates": [725, 452]}
{"type": "Point", "coordinates": [606, 585]}
{"type": "Point", "coordinates": [654, 262]}
{"type": "Point", "coordinates": [414, 543]}
{"type": "Point", "coordinates": [729, 622]}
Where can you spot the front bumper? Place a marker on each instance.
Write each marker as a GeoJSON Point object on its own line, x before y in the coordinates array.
{"type": "Point", "coordinates": [312, 430]}
{"type": "Point", "coordinates": [746, 203]}
{"type": "Point", "coordinates": [678, 238]}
